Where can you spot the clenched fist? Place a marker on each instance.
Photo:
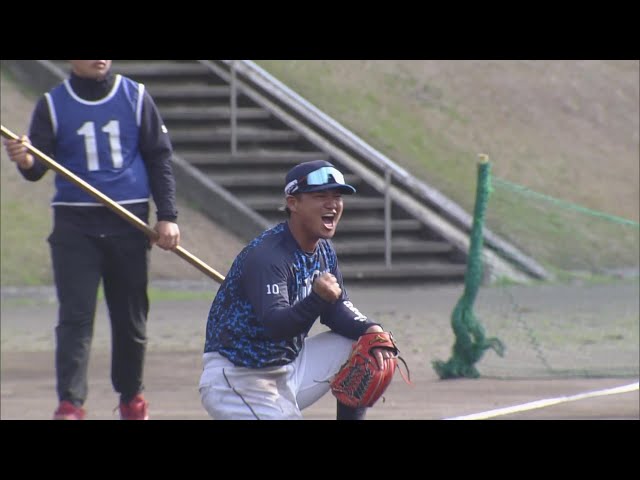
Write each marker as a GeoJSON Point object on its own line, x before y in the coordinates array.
{"type": "Point", "coordinates": [327, 286]}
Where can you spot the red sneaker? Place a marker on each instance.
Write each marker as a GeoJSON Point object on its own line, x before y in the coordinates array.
{"type": "Point", "coordinates": [136, 409]}
{"type": "Point", "coordinates": [68, 411]}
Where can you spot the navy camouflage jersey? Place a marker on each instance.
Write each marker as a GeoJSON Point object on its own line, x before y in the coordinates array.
{"type": "Point", "coordinates": [265, 307]}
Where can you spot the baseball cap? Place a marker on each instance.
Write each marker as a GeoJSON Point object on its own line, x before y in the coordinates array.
{"type": "Point", "coordinates": [315, 176]}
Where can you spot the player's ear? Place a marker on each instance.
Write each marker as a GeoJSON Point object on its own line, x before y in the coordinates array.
{"type": "Point", "coordinates": [292, 203]}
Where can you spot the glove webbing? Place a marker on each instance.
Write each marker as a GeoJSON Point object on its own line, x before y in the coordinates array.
{"type": "Point", "coordinates": [396, 353]}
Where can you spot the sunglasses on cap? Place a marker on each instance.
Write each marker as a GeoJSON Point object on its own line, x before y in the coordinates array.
{"type": "Point", "coordinates": [321, 176]}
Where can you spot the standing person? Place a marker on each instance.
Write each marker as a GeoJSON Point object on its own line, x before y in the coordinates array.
{"type": "Point", "coordinates": [106, 129]}
{"type": "Point", "coordinates": [258, 361]}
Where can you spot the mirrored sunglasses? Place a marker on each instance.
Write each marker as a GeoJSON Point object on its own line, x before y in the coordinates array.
{"type": "Point", "coordinates": [317, 177]}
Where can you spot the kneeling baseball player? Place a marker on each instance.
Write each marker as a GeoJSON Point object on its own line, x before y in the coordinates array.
{"type": "Point", "coordinates": [259, 362]}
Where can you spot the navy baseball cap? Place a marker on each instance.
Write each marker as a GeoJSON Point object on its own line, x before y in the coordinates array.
{"type": "Point", "coordinates": [315, 176]}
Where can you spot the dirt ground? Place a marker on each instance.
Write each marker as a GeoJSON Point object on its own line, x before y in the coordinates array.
{"type": "Point", "coordinates": [418, 316]}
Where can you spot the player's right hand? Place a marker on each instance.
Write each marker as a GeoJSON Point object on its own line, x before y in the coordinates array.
{"type": "Point", "coordinates": [327, 287]}
{"type": "Point", "coordinates": [18, 153]}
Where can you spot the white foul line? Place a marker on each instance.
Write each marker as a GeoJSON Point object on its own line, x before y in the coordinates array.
{"type": "Point", "coordinates": [545, 403]}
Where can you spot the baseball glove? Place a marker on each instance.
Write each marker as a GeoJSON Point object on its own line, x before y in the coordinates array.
{"type": "Point", "coordinates": [359, 382]}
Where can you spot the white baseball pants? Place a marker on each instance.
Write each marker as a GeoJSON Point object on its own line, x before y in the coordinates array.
{"type": "Point", "coordinates": [228, 392]}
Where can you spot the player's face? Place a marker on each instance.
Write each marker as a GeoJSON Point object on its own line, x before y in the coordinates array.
{"type": "Point", "coordinates": [95, 69]}
{"type": "Point", "coordinates": [318, 213]}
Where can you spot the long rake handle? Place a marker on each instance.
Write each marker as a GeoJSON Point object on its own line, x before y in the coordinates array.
{"type": "Point", "coordinates": [123, 212]}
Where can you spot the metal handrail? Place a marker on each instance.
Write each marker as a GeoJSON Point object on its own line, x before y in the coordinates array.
{"type": "Point", "coordinates": [234, 110]}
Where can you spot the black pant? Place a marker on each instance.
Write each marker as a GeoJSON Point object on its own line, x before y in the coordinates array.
{"type": "Point", "coordinates": [79, 263]}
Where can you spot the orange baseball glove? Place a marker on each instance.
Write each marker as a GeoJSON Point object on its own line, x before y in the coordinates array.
{"type": "Point", "coordinates": [359, 382]}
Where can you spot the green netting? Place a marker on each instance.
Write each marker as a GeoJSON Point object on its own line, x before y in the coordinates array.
{"type": "Point", "coordinates": [573, 330]}
{"type": "Point", "coordinates": [561, 236]}
{"type": "Point", "coordinates": [470, 340]}
{"type": "Point", "coordinates": [584, 322]}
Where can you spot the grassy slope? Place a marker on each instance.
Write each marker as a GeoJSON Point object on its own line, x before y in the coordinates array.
{"type": "Point", "coordinates": [25, 220]}
{"type": "Point", "coordinates": [566, 129]}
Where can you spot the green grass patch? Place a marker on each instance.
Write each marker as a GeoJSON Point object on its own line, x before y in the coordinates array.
{"type": "Point", "coordinates": [164, 294]}
{"type": "Point", "coordinates": [169, 295]}
{"type": "Point", "coordinates": [157, 295]}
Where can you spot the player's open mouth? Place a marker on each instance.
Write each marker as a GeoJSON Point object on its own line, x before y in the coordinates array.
{"type": "Point", "coordinates": [329, 220]}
